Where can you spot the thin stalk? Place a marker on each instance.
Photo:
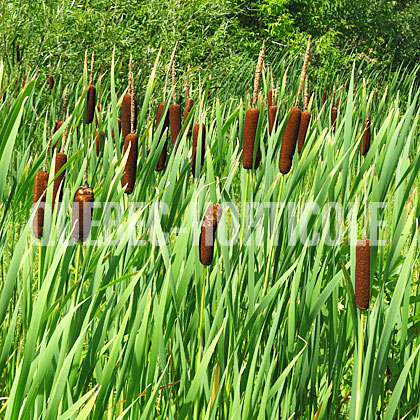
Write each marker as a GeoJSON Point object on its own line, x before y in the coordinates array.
{"type": "Point", "coordinates": [244, 207]}
{"type": "Point", "coordinates": [76, 270]}
{"type": "Point", "coordinates": [39, 266]}
{"type": "Point", "coordinates": [360, 362]}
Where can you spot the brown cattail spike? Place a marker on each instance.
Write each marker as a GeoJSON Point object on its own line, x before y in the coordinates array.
{"type": "Point", "coordinates": [272, 113]}
{"type": "Point", "coordinates": [90, 104]}
{"type": "Point", "coordinates": [60, 161]}
{"type": "Point", "coordinates": [270, 98]}
{"type": "Point", "coordinates": [160, 166]}
{"type": "Point", "coordinates": [208, 231]}
{"type": "Point", "coordinates": [40, 191]}
{"type": "Point", "coordinates": [188, 106]}
{"type": "Point", "coordinates": [100, 137]}
{"type": "Point", "coordinates": [362, 275]}
{"type": "Point", "coordinates": [365, 141]}
{"type": "Point", "coordinates": [82, 213]}
{"type": "Point", "coordinates": [58, 125]}
{"type": "Point", "coordinates": [288, 144]}
{"type": "Point", "coordinates": [129, 174]}
{"type": "Point", "coordinates": [51, 81]}
{"type": "Point", "coordinates": [174, 121]}
{"type": "Point", "coordinates": [333, 117]}
{"type": "Point", "coordinates": [126, 115]}
{"type": "Point", "coordinates": [303, 128]}
{"type": "Point", "coordinates": [196, 133]}
{"type": "Point", "coordinates": [324, 97]}
{"type": "Point", "coordinates": [248, 147]}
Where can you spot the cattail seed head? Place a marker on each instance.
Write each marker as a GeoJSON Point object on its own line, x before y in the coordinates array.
{"type": "Point", "coordinates": [174, 121]}
{"type": "Point", "coordinates": [40, 192]}
{"type": "Point", "coordinates": [362, 275]}
{"type": "Point", "coordinates": [126, 115]}
{"type": "Point", "coordinates": [99, 141]}
{"type": "Point", "coordinates": [60, 161]}
{"type": "Point", "coordinates": [160, 166]}
{"type": "Point", "coordinates": [51, 81]}
{"type": "Point", "coordinates": [376, 95]}
{"type": "Point", "coordinates": [82, 213]}
{"type": "Point", "coordinates": [58, 125]}
{"type": "Point", "coordinates": [270, 98]}
{"type": "Point", "coordinates": [90, 104]}
{"type": "Point", "coordinates": [196, 132]}
{"type": "Point", "coordinates": [129, 175]}
{"type": "Point", "coordinates": [324, 97]}
{"type": "Point", "coordinates": [272, 112]}
{"type": "Point", "coordinates": [365, 140]}
{"type": "Point", "coordinates": [188, 106]}
{"type": "Point", "coordinates": [288, 144]}
{"type": "Point", "coordinates": [303, 128]}
{"type": "Point", "coordinates": [333, 117]}
{"type": "Point", "coordinates": [208, 231]}
{"type": "Point", "coordinates": [250, 132]}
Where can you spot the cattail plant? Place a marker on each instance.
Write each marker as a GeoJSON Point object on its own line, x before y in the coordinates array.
{"type": "Point", "coordinates": [251, 123]}
{"type": "Point", "coordinates": [174, 112]}
{"type": "Point", "coordinates": [82, 213]}
{"type": "Point", "coordinates": [365, 140]}
{"type": "Point", "coordinates": [59, 123]}
{"type": "Point", "coordinates": [272, 109]}
{"type": "Point", "coordinates": [60, 161]}
{"type": "Point", "coordinates": [188, 100]}
{"type": "Point", "coordinates": [128, 103]}
{"type": "Point", "coordinates": [196, 132]}
{"type": "Point", "coordinates": [40, 193]}
{"type": "Point", "coordinates": [130, 142]}
{"type": "Point", "coordinates": [208, 231]}
{"type": "Point", "coordinates": [334, 112]}
{"type": "Point", "coordinates": [291, 131]}
{"type": "Point", "coordinates": [362, 274]}
{"type": "Point", "coordinates": [304, 119]}
{"type": "Point", "coordinates": [160, 166]}
{"type": "Point", "coordinates": [99, 141]}
{"type": "Point", "coordinates": [91, 96]}
{"type": "Point", "coordinates": [271, 90]}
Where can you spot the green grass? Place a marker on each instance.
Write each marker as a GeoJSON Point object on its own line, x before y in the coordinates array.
{"type": "Point", "coordinates": [269, 330]}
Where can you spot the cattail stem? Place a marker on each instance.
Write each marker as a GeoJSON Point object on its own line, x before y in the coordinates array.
{"type": "Point", "coordinates": [173, 82]}
{"type": "Point", "coordinates": [76, 269]}
{"type": "Point", "coordinates": [91, 68]}
{"type": "Point", "coordinates": [39, 266]}
{"type": "Point", "coordinates": [304, 70]}
{"type": "Point", "coordinates": [306, 94]}
{"type": "Point", "coordinates": [48, 149]}
{"type": "Point", "coordinates": [65, 134]}
{"type": "Point", "coordinates": [258, 75]}
{"type": "Point", "coordinates": [360, 364]}
{"type": "Point", "coordinates": [168, 70]}
{"type": "Point", "coordinates": [66, 98]}
{"type": "Point", "coordinates": [87, 167]}
{"type": "Point", "coordinates": [244, 207]}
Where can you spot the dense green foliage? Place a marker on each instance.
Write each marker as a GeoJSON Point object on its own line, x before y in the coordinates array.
{"type": "Point", "coordinates": [220, 35]}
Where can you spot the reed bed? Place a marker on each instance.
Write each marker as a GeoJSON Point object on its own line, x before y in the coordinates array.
{"type": "Point", "coordinates": [147, 313]}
